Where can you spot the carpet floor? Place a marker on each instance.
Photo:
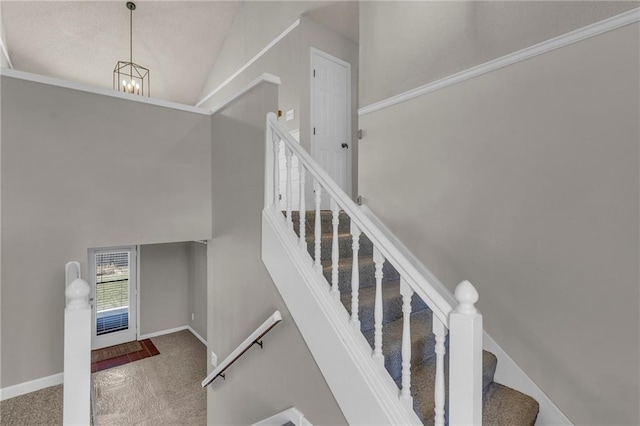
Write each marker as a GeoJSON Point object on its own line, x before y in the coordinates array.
{"type": "Point", "coordinates": [160, 390]}
{"type": "Point", "coordinates": [43, 407]}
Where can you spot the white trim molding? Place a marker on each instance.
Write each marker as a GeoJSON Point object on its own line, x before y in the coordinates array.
{"type": "Point", "coordinates": [575, 36]}
{"type": "Point", "coordinates": [173, 330]}
{"type": "Point", "coordinates": [199, 337]}
{"type": "Point", "coordinates": [292, 415]}
{"type": "Point", "coordinates": [31, 386]}
{"type": "Point", "coordinates": [5, 53]}
{"type": "Point", "coordinates": [264, 78]}
{"type": "Point", "coordinates": [163, 332]}
{"type": "Point", "coordinates": [37, 78]}
{"type": "Point", "coordinates": [251, 61]}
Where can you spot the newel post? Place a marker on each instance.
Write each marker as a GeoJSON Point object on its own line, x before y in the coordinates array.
{"type": "Point", "coordinates": [465, 358]}
{"type": "Point", "coordinates": [77, 348]}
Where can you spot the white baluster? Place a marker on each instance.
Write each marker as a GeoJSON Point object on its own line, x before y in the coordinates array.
{"type": "Point", "coordinates": [276, 171]}
{"type": "Point", "coordinates": [287, 153]}
{"type": "Point", "coordinates": [268, 163]}
{"type": "Point", "coordinates": [440, 332]}
{"type": "Point", "coordinates": [405, 394]}
{"type": "Point", "coordinates": [465, 358]}
{"type": "Point", "coordinates": [317, 231]}
{"type": "Point", "coordinates": [378, 259]}
{"type": "Point", "coordinates": [335, 250]}
{"type": "Point", "coordinates": [303, 225]}
{"type": "Point", "coordinates": [355, 275]}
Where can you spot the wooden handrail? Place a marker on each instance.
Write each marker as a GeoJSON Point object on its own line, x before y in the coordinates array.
{"type": "Point", "coordinates": [253, 339]}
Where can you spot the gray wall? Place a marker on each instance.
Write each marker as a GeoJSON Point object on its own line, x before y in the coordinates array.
{"type": "Point", "coordinates": [81, 170]}
{"type": "Point", "coordinates": [241, 292]}
{"type": "Point", "coordinates": [526, 182]}
{"type": "Point", "coordinates": [198, 288]}
{"type": "Point", "coordinates": [408, 44]}
{"type": "Point", "coordinates": [164, 287]}
{"type": "Point", "coordinates": [289, 59]}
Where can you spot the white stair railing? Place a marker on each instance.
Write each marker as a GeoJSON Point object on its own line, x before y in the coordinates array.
{"type": "Point", "coordinates": [77, 349]}
{"type": "Point", "coordinates": [455, 315]}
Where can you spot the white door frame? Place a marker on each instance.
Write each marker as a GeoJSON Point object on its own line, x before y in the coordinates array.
{"type": "Point", "coordinates": [131, 333]}
{"type": "Point", "coordinates": [314, 51]}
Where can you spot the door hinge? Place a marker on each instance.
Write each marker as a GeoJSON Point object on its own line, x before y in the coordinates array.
{"type": "Point", "coordinates": [314, 73]}
{"type": "Point", "coordinates": [314, 130]}
{"type": "Point", "coordinates": [280, 197]}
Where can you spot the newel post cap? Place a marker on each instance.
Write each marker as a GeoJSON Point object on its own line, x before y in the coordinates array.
{"type": "Point", "coordinates": [467, 296]}
{"type": "Point", "coordinates": [77, 293]}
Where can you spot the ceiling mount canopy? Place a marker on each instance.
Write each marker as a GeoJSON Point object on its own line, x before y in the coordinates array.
{"type": "Point", "coordinates": [129, 77]}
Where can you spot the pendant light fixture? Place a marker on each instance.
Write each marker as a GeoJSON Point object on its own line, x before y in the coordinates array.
{"type": "Point", "coordinates": [127, 76]}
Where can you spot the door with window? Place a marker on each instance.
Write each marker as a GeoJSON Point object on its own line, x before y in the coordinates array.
{"type": "Point", "coordinates": [113, 275]}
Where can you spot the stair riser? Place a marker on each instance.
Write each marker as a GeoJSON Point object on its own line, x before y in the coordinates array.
{"type": "Point", "coordinates": [391, 311]}
{"type": "Point", "coordinates": [367, 275]}
{"type": "Point", "coordinates": [326, 225]}
{"type": "Point", "coordinates": [344, 244]}
{"type": "Point", "coordinates": [489, 364]}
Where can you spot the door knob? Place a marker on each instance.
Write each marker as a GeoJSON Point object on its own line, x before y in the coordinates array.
{"type": "Point", "coordinates": [344, 145]}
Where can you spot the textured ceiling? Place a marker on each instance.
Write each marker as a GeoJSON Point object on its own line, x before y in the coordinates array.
{"type": "Point", "coordinates": [82, 41]}
{"type": "Point", "coordinates": [342, 17]}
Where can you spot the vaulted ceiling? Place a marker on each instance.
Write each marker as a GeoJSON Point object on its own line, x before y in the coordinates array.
{"type": "Point", "coordinates": [178, 41]}
{"type": "Point", "coordinates": [82, 40]}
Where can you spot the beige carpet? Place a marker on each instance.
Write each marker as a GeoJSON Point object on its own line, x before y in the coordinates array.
{"type": "Point", "coordinates": [161, 390]}
{"type": "Point", "coordinates": [43, 407]}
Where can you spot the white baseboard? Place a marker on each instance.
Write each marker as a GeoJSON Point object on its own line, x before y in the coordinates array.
{"type": "Point", "coordinates": [162, 333]}
{"type": "Point", "coordinates": [173, 330]}
{"type": "Point", "coordinates": [199, 337]}
{"type": "Point", "coordinates": [509, 374]}
{"type": "Point", "coordinates": [57, 379]}
{"type": "Point", "coordinates": [31, 386]}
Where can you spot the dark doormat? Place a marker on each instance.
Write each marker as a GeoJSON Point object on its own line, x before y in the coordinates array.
{"type": "Point", "coordinates": [113, 356]}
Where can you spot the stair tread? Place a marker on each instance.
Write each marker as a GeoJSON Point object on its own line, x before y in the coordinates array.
{"type": "Point", "coordinates": [423, 384]}
{"type": "Point", "coordinates": [506, 406]}
{"type": "Point", "coordinates": [502, 405]}
{"type": "Point", "coordinates": [391, 304]}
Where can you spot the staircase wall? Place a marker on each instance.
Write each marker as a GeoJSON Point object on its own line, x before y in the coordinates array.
{"type": "Point", "coordinates": [241, 294]}
{"type": "Point", "coordinates": [258, 24]}
{"type": "Point", "coordinates": [525, 182]}
{"type": "Point", "coordinates": [82, 170]}
{"type": "Point", "coordinates": [164, 287]}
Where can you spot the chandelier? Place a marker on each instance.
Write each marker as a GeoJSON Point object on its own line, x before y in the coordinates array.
{"type": "Point", "coordinates": [127, 76]}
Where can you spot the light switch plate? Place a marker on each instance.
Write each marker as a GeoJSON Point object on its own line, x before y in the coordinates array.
{"type": "Point", "coordinates": [291, 114]}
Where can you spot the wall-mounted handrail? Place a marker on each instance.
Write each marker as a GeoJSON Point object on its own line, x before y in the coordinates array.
{"type": "Point", "coordinates": [253, 339]}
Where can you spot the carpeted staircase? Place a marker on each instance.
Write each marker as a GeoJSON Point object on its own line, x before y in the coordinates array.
{"type": "Point", "coordinates": [501, 404]}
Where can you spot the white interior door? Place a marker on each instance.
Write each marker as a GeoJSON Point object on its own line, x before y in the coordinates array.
{"type": "Point", "coordinates": [331, 116]}
{"type": "Point", "coordinates": [113, 275]}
